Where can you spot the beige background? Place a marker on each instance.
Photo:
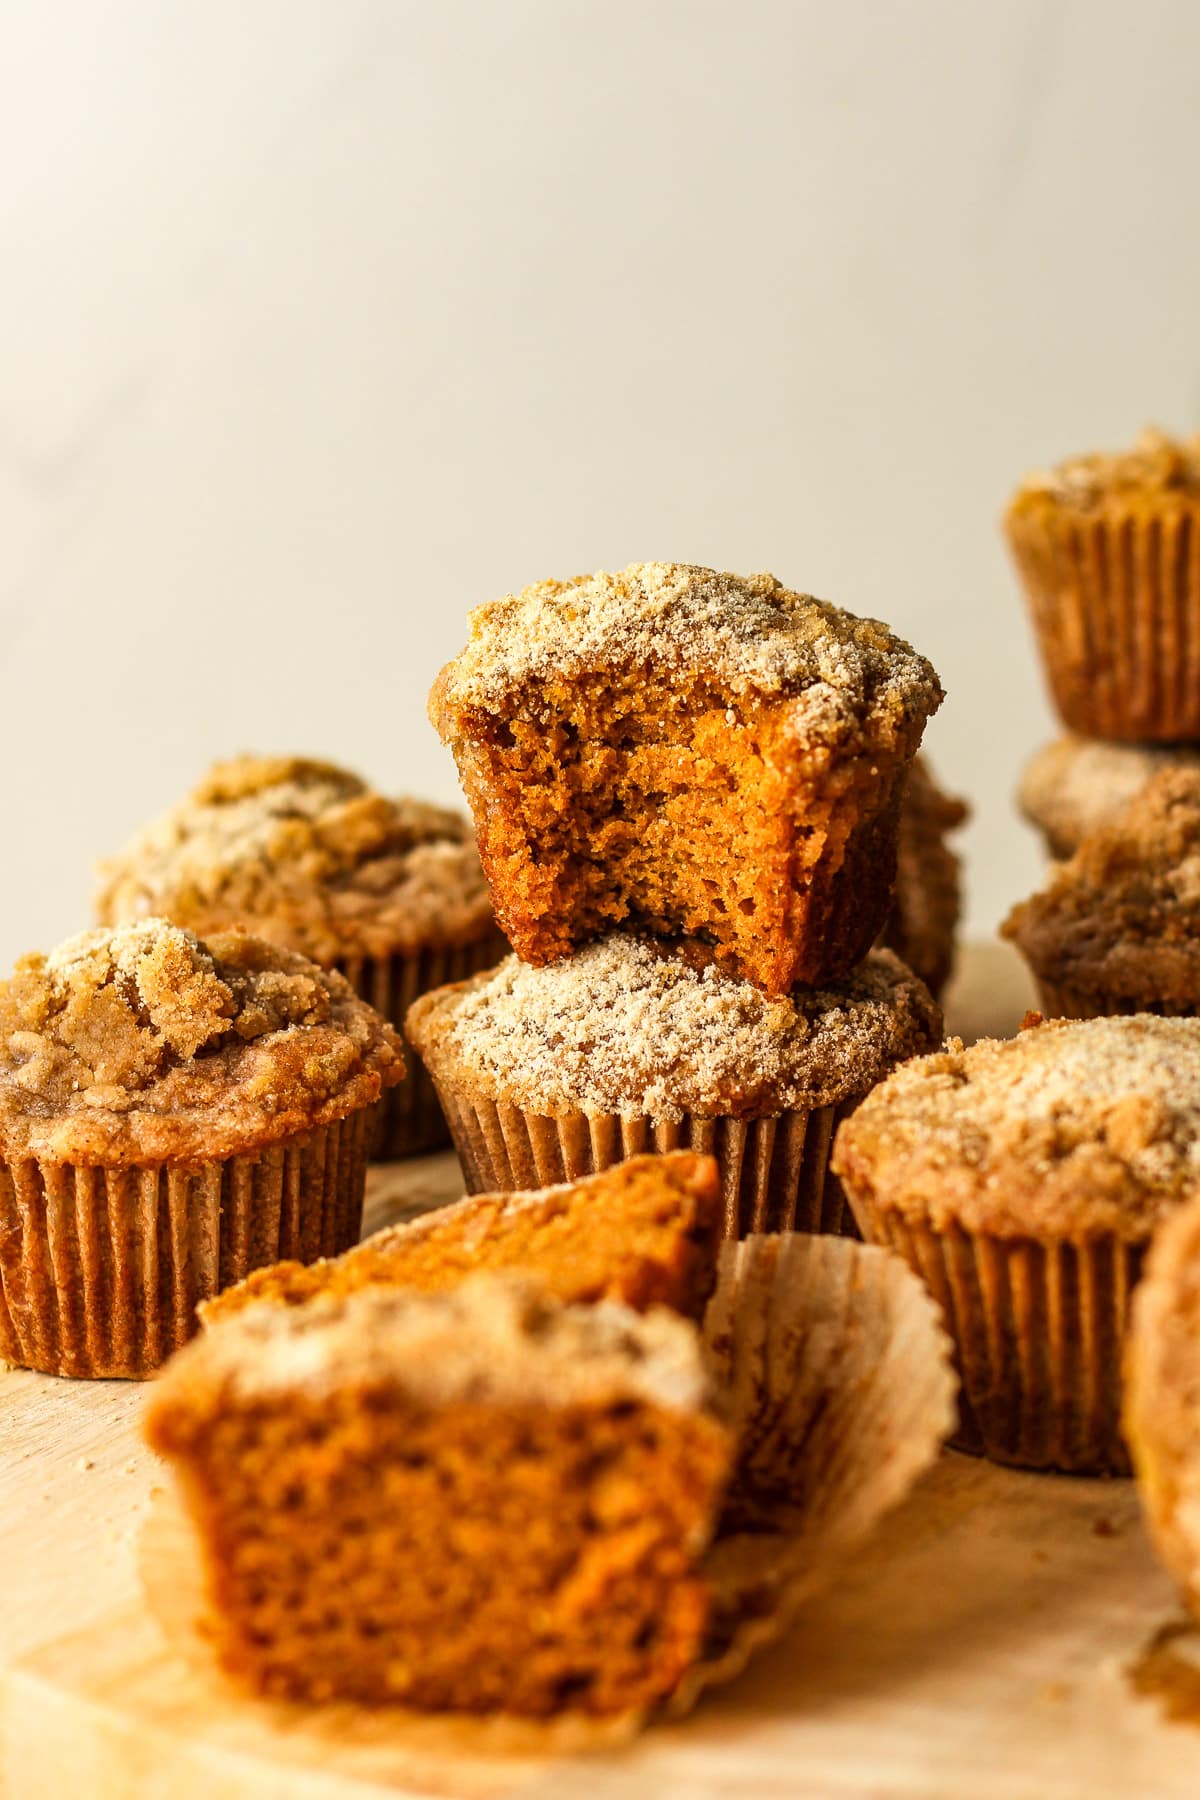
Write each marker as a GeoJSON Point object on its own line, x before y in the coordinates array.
{"type": "Point", "coordinates": [323, 320]}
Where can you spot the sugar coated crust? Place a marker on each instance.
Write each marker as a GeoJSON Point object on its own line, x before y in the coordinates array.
{"type": "Point", "coordinates": [626, 1026]}
{"type": "Point", "coordinates": [747, 635]}
{"type": "Point", "coordinates": [144, 1044]}
{"type": "Point", "coordinates": [1073, 1128]}
{"type": "Point", "coordinates": [1158, 470]}
{"type": "Point", "coordinates": [1076, 784]}
{"type": "Point", "coordinates": [306, 855]}
{"type": "Point", "coordinates": [1121, 920]}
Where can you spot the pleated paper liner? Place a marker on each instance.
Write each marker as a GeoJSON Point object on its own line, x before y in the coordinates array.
{"type": "Point", "coordinates": [774, 1172]}
{"type": "Point", "coordinates": [841, 1389]}
{"type": "Point", "coordinates": [1057, 1000]}
{"type": "Point", "coordinates": [411, 1121]}
{"type": "Point", "coordinates": [1116, 605]}
{"type": "Point", "coordinates": [1038, 1331]}
{"type": "Point", "coordinates": [101, 1270]}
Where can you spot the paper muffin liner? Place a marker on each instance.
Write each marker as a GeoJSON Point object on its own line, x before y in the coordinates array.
{"type": "Point", "coordinates": [775, 1173]}
{"type": "Point", "coordinates": [1038, 1330]}
{"type": "Point", "coordinates": [411, 1121]}
{"type": "Point", "coordinates": [1116, 605]}
{"type": "Point", "coordinates": [839, 1387]}
{"type": "Point", "coordinates": [1056, 1000]}
{"type": "Point", "coordinates": [101, 1270]}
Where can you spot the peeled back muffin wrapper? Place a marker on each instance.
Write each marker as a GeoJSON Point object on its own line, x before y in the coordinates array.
{"type": "Point", "coordinates": [840, 1392]}
{"type": "Point", "coordinates": [101, 1270]}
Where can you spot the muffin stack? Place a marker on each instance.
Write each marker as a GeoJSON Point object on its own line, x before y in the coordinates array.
{"type": "Point", "coordinates": [687, 789]}
{"type": "Point", "coordinates": [1109, 550]}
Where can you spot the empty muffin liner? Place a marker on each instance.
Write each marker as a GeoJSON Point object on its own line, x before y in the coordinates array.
{"type": "Point", "coordinates": [775, 1172]}
{"type": "Point", "coordinates": [101, 1270]}
{"type": "Point", "coordinates": [1038, 1330]}
{"type": "Point", "coordinates": [840, 1389]}
{"type": "Point", "coordinates": [1116, 605]}
{"type": "Point", "coordinates": [411, 1121]}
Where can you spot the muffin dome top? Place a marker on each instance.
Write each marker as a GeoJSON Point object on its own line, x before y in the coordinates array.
{"type": "Point", "coordinates": [1072, 1127]}
{"type": "Point", "coordinates": [1122, 918]}
{"type": "Point", "coordinates": [1076, 784]}
{"type": "Point", "coordinates": [305, 855]}
{"type": "Point", "coordinates": [1157, 466]}
{"type": "Point", "coordinates": [146, 1045]}
{"type": "Point", "coordinates": [626, 1027]}
{"type": "Point", "coordinates": [743, 635]}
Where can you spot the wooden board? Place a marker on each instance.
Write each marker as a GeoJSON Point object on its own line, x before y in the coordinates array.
{"type": "Point", "coordinates": [979, 1648]}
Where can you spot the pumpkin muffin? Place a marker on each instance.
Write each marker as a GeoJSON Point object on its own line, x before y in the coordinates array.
{"type": "Point", "coordinates": [645, 1232]}
{"type": "Point", "coordinates": [550, 1074]}
{"type": "Point", "coordinates": [1023, 1179]}
{"type": "Point", "coordinates": [172, 1115]}
{"type": "Point", "coordinates": [1117, 929]}
{"type": "Point", "coordinates": [689, 754]}
{"type": "Point", "coordinates": [1162, 1396]}
{"type": "Point", "coordinates": [928, 899]}
{"type": "Point", "coordinates": [1108, 548]}
{"type": "Point", "coordinates": [480, 1500]}
{"type": "Point", "coordinates": [388, 892]}
{"type": "Point", "coordinates": [1075, 785]}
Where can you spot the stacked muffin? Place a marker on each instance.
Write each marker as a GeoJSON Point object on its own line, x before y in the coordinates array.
{"type": "Point", "coordinates": [1109, 550]}
{"type": "Point", "coordinates": [687, 790]}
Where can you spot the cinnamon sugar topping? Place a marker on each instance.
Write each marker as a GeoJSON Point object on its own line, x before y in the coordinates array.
{"type": "Point", "coordinates": [1157, 464]}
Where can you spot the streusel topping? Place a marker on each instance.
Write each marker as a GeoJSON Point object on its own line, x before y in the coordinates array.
{"type": "Point", "coordinates": [306, 855]}
{"type": "Point", "coordinates": [1157, 464]}
{"type": "Point", "coordinates": [624, 1027]}
{"type": "Point", "coordinates": [145, 1044]}
{"type": "Point", "coordinates": [1073, 1126]}
{"type": "Point", "coordinates": [748, 634]}
{"type": "Point", "coordinates": [1076, 784]}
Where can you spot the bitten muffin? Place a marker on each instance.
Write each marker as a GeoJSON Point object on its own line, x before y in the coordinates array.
{"type": "Point", "coordinates": [481, 1501]}
{"type": "Point", "coordinates": [1117, 929]}
{"type": "Point", "coordinates": [1162, 1396]}
{"type": "Point", "coordinates": [925, 911]}
{"type": "Point", "coordinates": [645, 1232]}
{"type": "Point", "coordinates": [550, 1074]}
{"type": "Point", "coordinates": [1075, 785]}
{"type": "Point", "coordinates": [172, 1115]}
{"type": "Point", "coordinates": [688, 753]}
{"type": "Point", "coordinates": [1023, 1179]}
{"type": "Point", "coordinates": [1108, 548]}
{"type": "Point", "coordinates": [388, 892]}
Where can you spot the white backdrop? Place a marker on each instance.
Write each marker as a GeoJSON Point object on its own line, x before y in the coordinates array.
{"type": "Point", "coordinates": [322, 320]}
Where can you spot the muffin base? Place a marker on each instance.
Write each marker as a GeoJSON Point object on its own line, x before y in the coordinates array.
{"type": "Point", "coordinates": [411, 1121]}
{"type": "Point", "coordinates": [101, 1270]}
{"type": "Point", "coordinates": [1057, 1001]}
{"type": "Point", "coordinates": [774, 1172]}
{"type": "Point", "coordinates": [1038, 1330]}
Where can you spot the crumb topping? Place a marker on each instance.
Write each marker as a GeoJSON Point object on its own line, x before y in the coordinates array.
{"type": "Point", "coordinates": [1073, 1126]}
{"type": "Point", "coordinates": [496, 1338]}
{"type": "Point", "coordinates": [1156, 465]}
{"type": "Point", "coordinates": [749, 635]}
{"type": "Point", "coordinates": [306, 855]}
{"type": "Point", "coordinates": [627, 1027]}
{"type": "Point", "coordinates": [1075, 784]}
{"type": "Point", "coordinates": [144, 1043]}
{"type": "Point", "coordinates": [1122, 918]}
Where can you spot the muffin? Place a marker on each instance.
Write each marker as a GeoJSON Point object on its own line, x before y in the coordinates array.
{"type": "Point", "coordinates": [928, 898]}
{"type": "Point", "coordinates": [645, 1232]}
{"type": "Point", "coordinates": [1023, 1179]}
{"type": "Point", "coordinates": [388, 892]}
{"type": "Point", "coordinates": [474, 1501]}
{"type": "Point", "coordinates": [689, 754]}
{"type": "Point", "coordinates": [172, 1115]}
{"type": "Point", "coordinates": [1162, 1396]}
{"type": "Point", "coordinates": [1075, 785]}
{"type": "Point", "coordinates": [1108, 548]}
{"type": "Point", "coordinates": [550, 1074]}
{"type": "Point", "coordinates": [1117, 929]}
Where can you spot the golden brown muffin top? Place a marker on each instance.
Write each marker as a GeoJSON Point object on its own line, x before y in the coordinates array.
{"type": "Point", "coordinates": [306, 855]}
{"type": "Point", "coordinates": [1076, 784]}
{"type": "Point", "coordinates": [746, 636]}
{"type": "Point", "coordinates": [145, 1045]}
{"type": "Point", "coordinates": [1157, 467]}
{"type": "Point", "coordinates": [1072, 1128]}
{"type": "Point", "coordinates": [1122, 918]}
{"type": "Point", "coordinates": [627, 1027]}
{"type": "Point", "coordinates": [496, 1339]}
